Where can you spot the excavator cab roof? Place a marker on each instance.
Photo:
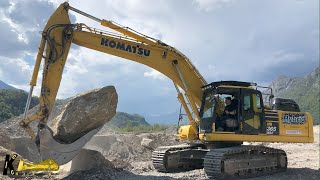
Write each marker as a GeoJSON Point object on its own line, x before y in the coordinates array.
{"type": "Point", "coordinates": [238, 84]}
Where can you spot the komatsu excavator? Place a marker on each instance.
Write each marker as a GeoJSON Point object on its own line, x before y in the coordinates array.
{"type": "Point", "coordinates": [219, 150]}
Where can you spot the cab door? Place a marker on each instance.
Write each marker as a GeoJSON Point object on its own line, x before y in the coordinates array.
{"type": "Point", "coordinates": [250, 124]}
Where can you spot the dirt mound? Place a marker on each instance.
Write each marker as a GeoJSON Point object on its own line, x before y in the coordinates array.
{"type": "Point", "coordinates": [123, 149]}
{"type": "Point", "coordinates": [5, 139]}
{"type": "Point", "coordinates": [21, 145]}
{"type": "Point", "coordinates": [98, 173]}
{"type": "Point", "coordinates": [26, 148]}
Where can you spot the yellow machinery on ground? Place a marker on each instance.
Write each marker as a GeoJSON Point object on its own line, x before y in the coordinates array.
{"type": "Point", "coordinates": [220, 153]}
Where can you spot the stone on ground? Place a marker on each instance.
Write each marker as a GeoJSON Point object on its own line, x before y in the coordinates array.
{"type": "Point", "coordinates": [89, 159]}
{"type": "Point", "coordinates": [148, 143]}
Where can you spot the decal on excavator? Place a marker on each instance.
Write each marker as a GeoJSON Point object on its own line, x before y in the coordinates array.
{"type": "Point", "coordinates": [293, 132]}
{"type": "Point", "coordinates": [122, 46]}
{"type": "Point", "coordinates": [8, 164]}
{"type": "Point", "coordinates": [47, 166]}
{"type": "Point", "coordinates": [273, 128]}
{"type": "Point", "coordinates": [290, 118]}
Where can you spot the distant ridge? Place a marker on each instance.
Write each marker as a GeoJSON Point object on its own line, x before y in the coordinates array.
{"type": "Point", "coordinates": [6, 86]}
{"type": "Point", "coordinates": [304, 90]}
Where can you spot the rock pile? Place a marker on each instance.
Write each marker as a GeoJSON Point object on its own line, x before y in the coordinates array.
{"type": "Point", "coordinates": [5, 140]}
{"type": "Point", "coordinates": [123, 149]}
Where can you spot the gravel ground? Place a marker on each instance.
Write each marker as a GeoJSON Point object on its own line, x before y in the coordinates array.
{"type": "Point", "coordinates": [303, 163]}
{"type": "Point", "coordinates": [132, 160]}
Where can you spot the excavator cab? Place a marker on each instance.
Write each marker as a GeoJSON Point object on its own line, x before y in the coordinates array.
{"type": "Point", "coordinates": [254, 121]}
{"type": "Point", "coordinates": [245, 101]}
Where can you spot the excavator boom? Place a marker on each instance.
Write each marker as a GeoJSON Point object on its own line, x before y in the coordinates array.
{"type": "Point", "coordinates": [57, 37]}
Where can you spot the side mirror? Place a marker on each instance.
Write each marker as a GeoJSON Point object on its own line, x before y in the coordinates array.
{"type": "Point", "coordinates": [270, 99]}
{"type": "Point", "coordinates": [271, 96]}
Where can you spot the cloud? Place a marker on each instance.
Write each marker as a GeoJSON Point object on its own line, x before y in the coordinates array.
{"type": "Point", "coordinates": [154, 74]}
{"type": "Point", "coordinates": [17, 67]}
{"type": "Point", "coordinates": [209, 5]}
{"type": "Point", "coordinates": [21, 23]}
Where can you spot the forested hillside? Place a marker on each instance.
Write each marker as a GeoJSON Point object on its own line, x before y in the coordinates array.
{"type": "Point", "coordinates": [12, 103]}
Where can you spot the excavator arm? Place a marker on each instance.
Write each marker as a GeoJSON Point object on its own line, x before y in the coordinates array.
{"type": "Point", "coordinates": [57, 37]}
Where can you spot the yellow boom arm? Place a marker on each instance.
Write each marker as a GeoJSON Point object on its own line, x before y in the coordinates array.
{"type": "Point", "coordinates": [58, 35]}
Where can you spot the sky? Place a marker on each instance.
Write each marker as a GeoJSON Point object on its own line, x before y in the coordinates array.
{"type": "Point", "coordinates": [245, 40]}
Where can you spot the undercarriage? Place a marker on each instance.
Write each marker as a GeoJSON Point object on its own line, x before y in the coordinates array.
{"type": "Point", "coordinates": [239, 161]}
{"type": "Point", "coordinates": [179, 158]}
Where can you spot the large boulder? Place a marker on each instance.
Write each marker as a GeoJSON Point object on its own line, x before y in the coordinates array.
{"type": "Point", "coordinates": [85, 112]}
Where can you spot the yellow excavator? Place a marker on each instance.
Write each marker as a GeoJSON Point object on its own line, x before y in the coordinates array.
{"type": "Point", "coordinates": [215, 138]}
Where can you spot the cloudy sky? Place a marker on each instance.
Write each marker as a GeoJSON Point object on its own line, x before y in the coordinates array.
{"type": "Point", "coordinates": [245, 40]}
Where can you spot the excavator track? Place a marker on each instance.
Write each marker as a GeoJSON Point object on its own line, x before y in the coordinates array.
{"type": "Point", "coordinates": [178, 158]}
{"type": "Point", "coordinates": [158, 158]}
{"type": "Point", "coordinates": [244, 162]}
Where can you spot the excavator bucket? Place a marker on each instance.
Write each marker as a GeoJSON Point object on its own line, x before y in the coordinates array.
{"type": "Point", "coordinates": [61, 153]}
{"type": "Point", "coordinates": [57, 38]}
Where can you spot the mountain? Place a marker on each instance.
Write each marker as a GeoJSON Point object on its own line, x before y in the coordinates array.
{"type": "Point", "coordinates": [122, 119]}
{"type": "Point", "coordinates": [6, 86]}
{"type": "Point", "coordinates": [304, 90]}
{"type": "Point", "coordinates": [165, 119]}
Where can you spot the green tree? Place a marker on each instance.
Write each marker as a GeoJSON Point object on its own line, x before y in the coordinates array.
{"type": "Point", "coordinates": [12, 103]}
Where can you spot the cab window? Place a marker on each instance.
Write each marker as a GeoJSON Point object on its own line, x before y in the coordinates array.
{"type": "Point", "coordinates": [247, 102]}
{"type": "Point", "coordinates": [258, 98]}
{"type": "Point", "coordinates": [208, 107]}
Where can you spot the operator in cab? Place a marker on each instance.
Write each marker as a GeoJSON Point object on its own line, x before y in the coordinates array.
{"type": "Point", "coordinates": [230, 109]}
{"type": "Point", "coordinates": [228, 121]}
